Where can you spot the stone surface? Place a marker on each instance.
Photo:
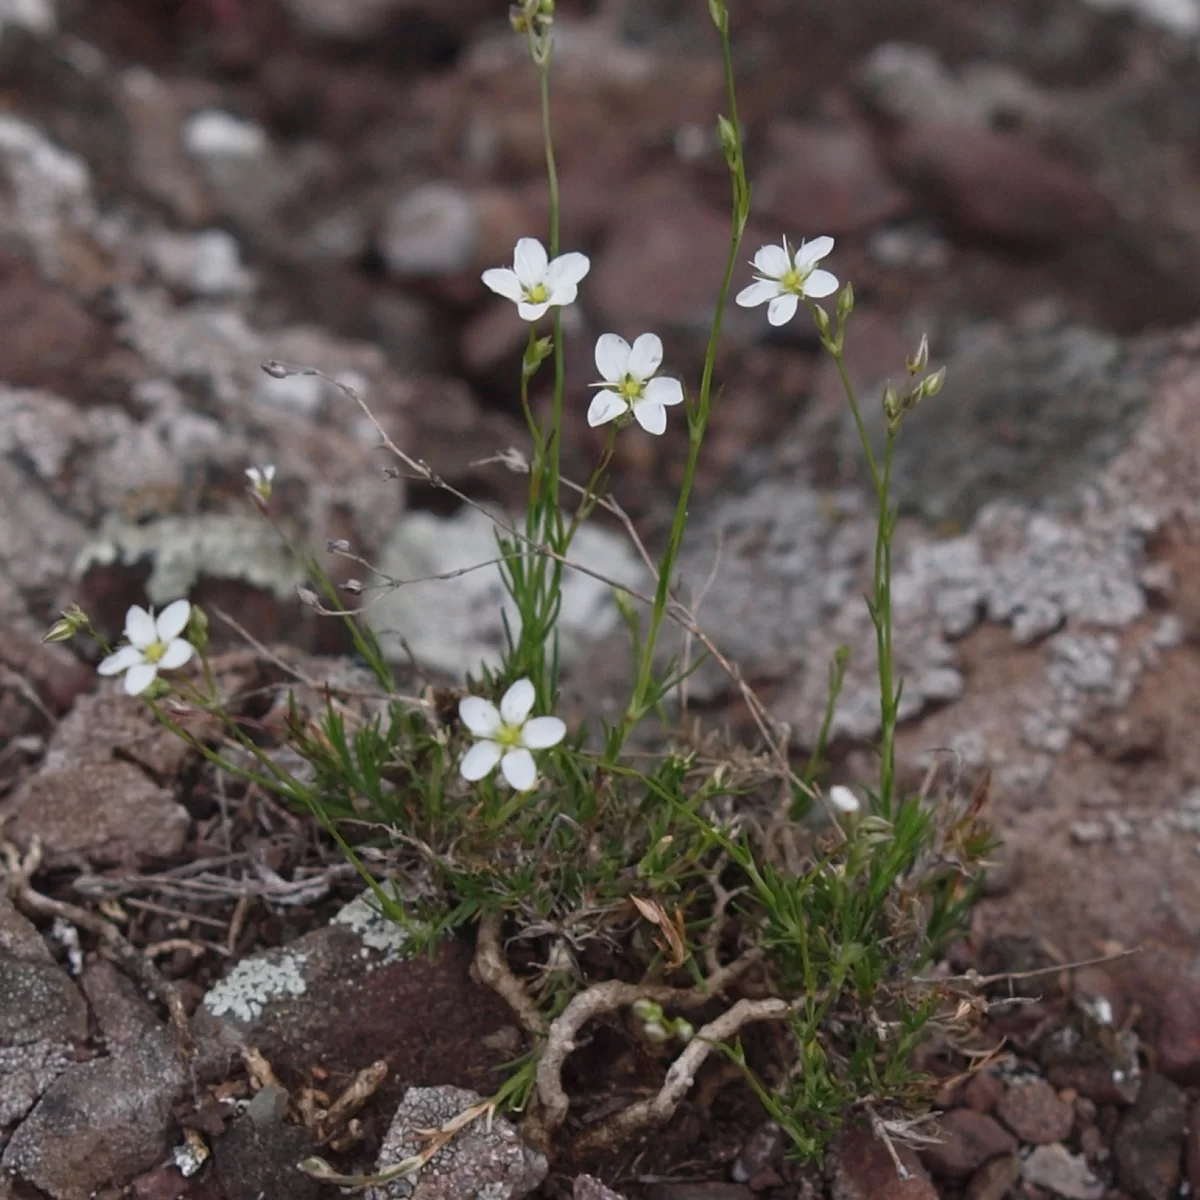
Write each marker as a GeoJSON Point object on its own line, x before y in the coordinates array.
{"type": "Point", "coordinates": [969, 1139]}
{"type": "Point", "coordinates": [101, 1121]}
{"type": "Point", "coordinates": [253, 1159]}
{"type": "Point", "coordinates": [423, 1016]}
{"type": "Point", "coordinates": [487, 1158]}
{"type": "Point", "coordinates": [698, 1191]}
{"type": "Point", "coordinates": [994, 1179]}
{"type": "Point", "coordinates": [1177, 1038]}
{"type": "Point", "coordinates": [1149, 1141]}
{"type": "Point", "coordinates": [1032, 1109]}
{"type": "Point", "coordinates": [1063, 1174]}
{"type": "Point", "coordinates": [860, 1168]}
{"type": "Point", "coordinates": [587, 1187]}
{"type": "Point", "coordinates": [118, 1008]}
{"type": "Point", "coordinates": [1192, 1155]}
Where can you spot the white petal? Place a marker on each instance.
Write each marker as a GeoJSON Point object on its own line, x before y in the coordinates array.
{"type": "Point", "coordinates": [139, 678]}
{"type": "Point", "coordinates": [562, 294]}
{"type": "Point", "coordinates": [177, 653]}
{"type": "Point", "coordinates": [479, 761]}
{"type": "Point", "coordinates": [604, 407]}
{"type": "Point", "coordinates": [772, 260]}
{"type": "Point", "coordinates": [646, 357]}
{"type": "Point", "coordinates": [782, 309]}
{"type": "Point", "coordinates": [543, 732]}
{"type": "Point", "coordinates": [519, 769]}
{"type": "Point", "coordinates": [139, 627]}
{"type": "Point", "coordinates": [532, 312]}
{"type": "Point", "coordinates": [529, 262]}
{"type": "Point", "coordinates": [172, 621]}
{"type": "Point", "coordinates": [650, 416]}
{"type": "Point", "coordinates": [843, 799]}
{"type": "Point", "coordinates": [504, 282]}
{"type": "Point", "coordinates": [126, 657]}
{"type": "Point", "coordinates": [758, 292]}
{"type": "Point", "coordinates": [517, 701]}
{"type": "Point", "coordinates": [568, 269]}
{"type": "Point", "coordinates": [813, 251]}
{"type": "Point", "coordinates": [480, 716]}
{"type": "Point", "coordinates": [820, 283]}
{"type": "Point", "coordinates": [664, 390]}
{"type": "Point", "coordinates": [612, 357]}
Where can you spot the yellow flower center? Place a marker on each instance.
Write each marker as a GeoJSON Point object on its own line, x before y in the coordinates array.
{"type": "Point", "coordinates": [508, 736]}
{"type": "Point", "coordinates": [792, 280]}
{"type": "Point", "coordinates": [538, 294]}
{"type": "Point", "coordinates": [630, 389]}
{"type": "Point", "coordinates": [154, 652]}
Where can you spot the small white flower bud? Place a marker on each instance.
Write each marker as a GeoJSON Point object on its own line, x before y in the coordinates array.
{"type": "Point", "coordinates": [916, 363]}
{"type": "Point", "coordinates": [843, 799]}
{"type": "Point", "coordinates": [845, 301]}
{"type": "Point", "coordinates": [933, 383]}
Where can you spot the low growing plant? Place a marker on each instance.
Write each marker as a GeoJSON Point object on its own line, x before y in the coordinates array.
{"type": "Point", "coordinates": [702, 892]}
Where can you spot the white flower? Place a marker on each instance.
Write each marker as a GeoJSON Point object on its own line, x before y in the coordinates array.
{"type": "Point", "coordinates": [843, 799]}
{"type": "Point", "coordinates": [261, 480]}
{"type": "Point", "coordinates": [507, 735]}
{"type": "Point", "coordinates": [154, 645]}
{"type": "Point", "coordinates": [628, 384]}
{"type": "Point", "coordinates": [536, 284]}
{"type": "Point", "coordinates": [784, 277]}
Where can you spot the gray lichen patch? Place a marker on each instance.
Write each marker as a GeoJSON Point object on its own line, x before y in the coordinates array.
{"type": "Point", "coordinates": [246, 991]}
{"type": "Point", "coordinates": [375, 930]}
{"type": "Point", "coordinates": [183, 550]}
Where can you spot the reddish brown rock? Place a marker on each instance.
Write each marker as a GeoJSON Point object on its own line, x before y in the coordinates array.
{"type": "Point", "coordinates": [860, 1168]}
{"type": "Point", "coordinates": [969, 1139]}
{"type": "Point", "coordinates": [1150, 1139]}
{"type": "Point", "coordinates": [992, 184]}
{"type": "Point", "coordinates": [1177, 1039]}
{"type": "Point", "coordinates": [983, 1091]}
{"type": "Point", "coordinates": [1032, 1110]}
{"type": "Point", "coordinates": [994, 1179]}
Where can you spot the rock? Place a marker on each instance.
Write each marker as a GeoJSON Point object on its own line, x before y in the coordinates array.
{"type": "Point", "coordinates": [43, 1018]}
{"type": "Point", "coordinates": [253, 1159]}
{"type": "Point", "coordinates": [994, 1179]}
{"type": "Point", "coordinates": [983, 1091]}
{"type": "Point", "coordinates": [1177, 1037]}
{"type": "Point", "coordinates": [213, 135]}
{"type": "Point", "coordinates": [1149, 1141]}
{"type": "Point", "coordinates": [860, 1168]}
{"type": "Point", "coordinates": [1192, 1157]}
{"type": "Point", "coordinates": [1064, 1174]}
{"type": "Point", "coordinates": [589, 1188]}
{"type": "Point", "coordinates": [969, 1139]}
{"type": "Point", "coordinates": [1180, 17]}
{"type": "Point", "coordinates": [761, 1153]}
{"type": "Point", "coordinates": [1032, 1110]}
{"type": "Point", "coordinates": [118, 1007]}
{"type": "Point", "coordinates": [457, 625]}
{"type": "Point", "coordinates": [37, 16]}
{"type": "Point", "coordinates": [833, 170]}
{"type": "Point", "coordinates": [360, 22]}
{"type": "Point", "coordinates": [101, 1122]}
{"type": "Point", "coordinates": [205, 264]}
{"type": "Point", "coordinates": [698, 1191]}
{"type": "Point", "coordinates": [432, 230]}
{"type": "Point", "coordinates": [486, 1158]}
{"type": "Point", "coordinates": [423, 1016]}
{"type": "Point", "coordinates": [100, 813]}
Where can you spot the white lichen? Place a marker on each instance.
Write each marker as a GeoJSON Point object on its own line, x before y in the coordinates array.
{"type": "Point", "coordinates": [254, 983]}
{"type": "Point", "coordinates": [376, 931]}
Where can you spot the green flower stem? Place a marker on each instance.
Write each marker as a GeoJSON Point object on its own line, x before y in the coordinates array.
{"type": "Point", "coordinates": [881, 588]}
{"type": "Point", "coordinates": [698, 415]}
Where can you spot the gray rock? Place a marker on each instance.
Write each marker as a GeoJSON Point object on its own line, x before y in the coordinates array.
{"type": "Point", "coordinates": [204, 264]}
{"type": "Point", "coordinates": [486, 1159]}
{"type": "Point", "coordinates": [456, 625]}
{"type": "Point", "coordinates": [101, 1122]}
{"type": "Point", "coordinates": [37, 16]}
{"type": "Point", "coordinates": [587, 1187]}
{"type": "Point", "coordinates": [43, 1018]}
{"type": "Point", "coordinates": [1064, 1174]}
{"type": "Point", "coordinates": [432, 230]}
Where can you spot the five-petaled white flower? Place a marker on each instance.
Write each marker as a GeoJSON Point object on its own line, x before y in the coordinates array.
{"type": "Point", "coordinates": [154, 645]}
{"type": "Point", "coordinates": [785, 276]}
{"type": "Point", "coordinates": [507, 735]}
{"type": "Point", "coordinates": [535, 283]}
{"type": "Point", "coordinates": [261, 480]}
{"type": "Point", "coordinates": [629, 385]}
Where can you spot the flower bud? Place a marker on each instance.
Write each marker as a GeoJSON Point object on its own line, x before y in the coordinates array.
{"type": "Point", "coordinates": [730, 142]}
{"type": "Point", "coordinates": [933, 383]}
{"type": "Point", "coordinates": [845, 301]}
{"type": "Point", "coordinates": [719, 14]}
{"type": "Point", "coordinates": [197, 628]}
{"type": "Point", "coordinates": [684, 1030]}
{"type": "Point", "coordinates": [916, 363]}
{"type": "Point", "coordinates": [821, 321]}
{"type": "Point", "coordinates": [74, 620]}
{"type": "Point", "coordinates": [536, 353]}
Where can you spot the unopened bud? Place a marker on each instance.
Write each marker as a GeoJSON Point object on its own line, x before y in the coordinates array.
{"type": "Point", "coordinates": [719, 14]}
{"type": "Point", "coordinates": [353, 586]}
{"type": "Point", "coordinates": [916, 363]}
{"type": "Point", "coordinates": [307, 596]}
{"type": "Point", "coordinates": [684, 1030]}
{"type": "Point", "coordinates": [891, 406]}
{"type": "Point", "coordinates": [845, 301]}
{"type": "Point", "coordinates": [337, 546]}
{"type": "Point", "coordinates": [197, 628]}
{"type": "Point", "coordinates": [655, 1032]}
{"type": "Point", "coordinates": [536, 353]}
{"type": "Point", "coordinates": [276, 369]}
{"type": "Point", "coordinates": [74, 620]}
{"type": "Point", "coordinates": [821, 321]}
{"type": "Point", "coordinates": [730, 142]}
{"type": "Point", "coordinates": [933, 383]}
